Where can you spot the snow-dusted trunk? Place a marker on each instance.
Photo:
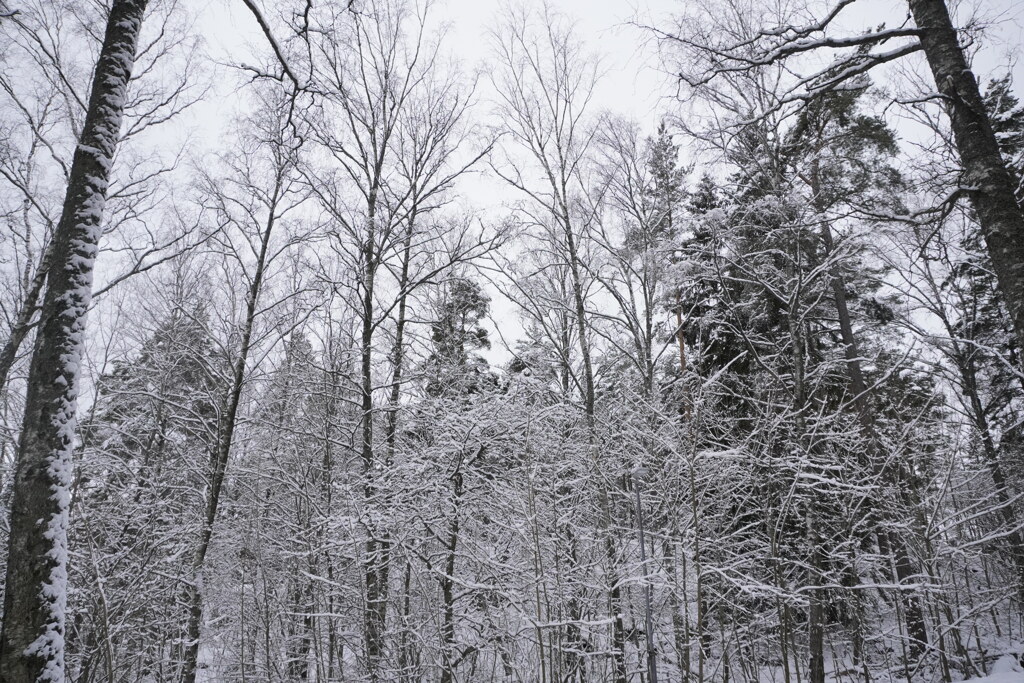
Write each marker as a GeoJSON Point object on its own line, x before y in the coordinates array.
{"type": "Point", "coordinates": [904, 566]}
{"type": "Point", "coordinates": [330, 391]}
{"type": "Point", "coordinates": [376, 577]}
{"type": "Point", "coordinates": [985, 176]}
{"type": "Point", "coordinates": [448, 660]}
{"type": "Point", "coordinates": [802, 398]}
{"type": "Point", "coordinates": [219, 458]}
{"type": "Point", "coordinates": [23, 322]}
{"type": "Point", "coordinates": [968, 372]}
{"type": "Point", "coordinates": [32, 637]}
{"type": "Point", "coordinates": [589, 407]}
{"type": "Point", "coordinates": [391, 425]}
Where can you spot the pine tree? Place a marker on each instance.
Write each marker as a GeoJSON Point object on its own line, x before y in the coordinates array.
{"type": "Point", "coordinates": [457, 333]}
{"type": "Point", "coordinates": [153, 426]}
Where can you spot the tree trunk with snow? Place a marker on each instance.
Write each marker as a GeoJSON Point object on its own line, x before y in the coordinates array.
{"type": "Point", "coordinates": [219, 458]}
{"type": "Point", "coordinates": [32, 638]}
{"type": "Point", "coordinates": [985, 176]}
{"type": "Point", "coordinates": [23, 321]}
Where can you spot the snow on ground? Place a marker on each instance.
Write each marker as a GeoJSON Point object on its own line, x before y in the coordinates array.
{"type": "Point", "coordinates": [1005, 670]}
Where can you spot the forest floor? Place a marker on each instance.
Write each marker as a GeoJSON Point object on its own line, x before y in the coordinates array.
{"type": "Point", "coordinates": [1006, 669]}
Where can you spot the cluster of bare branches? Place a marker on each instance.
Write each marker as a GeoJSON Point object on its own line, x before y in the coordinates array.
{"type": "Point", "coordinates": [335, 415]}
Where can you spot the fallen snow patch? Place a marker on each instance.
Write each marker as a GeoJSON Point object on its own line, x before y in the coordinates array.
{"type": "Point", "coordinates": [1005, 670]}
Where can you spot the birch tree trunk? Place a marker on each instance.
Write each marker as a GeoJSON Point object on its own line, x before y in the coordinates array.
{"type": "Point", "coordinates": [32, 637]}
{"type": "Point", "coordinates": [990, 188]}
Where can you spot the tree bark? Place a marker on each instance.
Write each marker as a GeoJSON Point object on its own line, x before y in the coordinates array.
{"type": "Point", "coordinates": [448, 585]}
{"type": "Point", "coordinates": [969, 376]}
{"type": "Point", "coordinates": [589, 407]}
{"type": "Point", "coordinates": [383, 568]}
{"type": "Point", "coordinates": [904, 567]}
{"type": "Point", "coordinates": [816, 612]}
{"type": "Point", "coordinates": [991, 190]}
{"type": "Point", "coordinates": [32, 637]}
{"type": "Point", "coordinates": [219, 459]}
{"type": "Point", "coordinates": [23, 323]}
{"type": "Point", "coordinates": [375, 615]}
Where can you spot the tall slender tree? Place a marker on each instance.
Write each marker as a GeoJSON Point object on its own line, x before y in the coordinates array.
{"type": "Point", "coordinates": [32, 639]}
{"type": "Point", "coordinates": [259, 190]}
{"type": "Point", "coordinates": [986, 180]}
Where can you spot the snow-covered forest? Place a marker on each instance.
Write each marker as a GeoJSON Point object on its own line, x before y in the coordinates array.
{"type": "Point", "coordinates": [371, 347]}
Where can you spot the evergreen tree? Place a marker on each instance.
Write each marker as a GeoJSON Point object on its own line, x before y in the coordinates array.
{"type": "Point", "coordinates": [457, 333]}
{"type": "Point", "coordinates": [1007, 117]}
{"type": "Point", "coordinates": [138, 500]}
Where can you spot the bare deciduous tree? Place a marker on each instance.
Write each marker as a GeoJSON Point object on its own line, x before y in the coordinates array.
{"type": "Point", "coordinates": [32, 640]}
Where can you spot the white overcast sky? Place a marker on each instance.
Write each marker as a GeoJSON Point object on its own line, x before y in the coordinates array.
{"type": "Point", "coordinates": [633, 85]}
